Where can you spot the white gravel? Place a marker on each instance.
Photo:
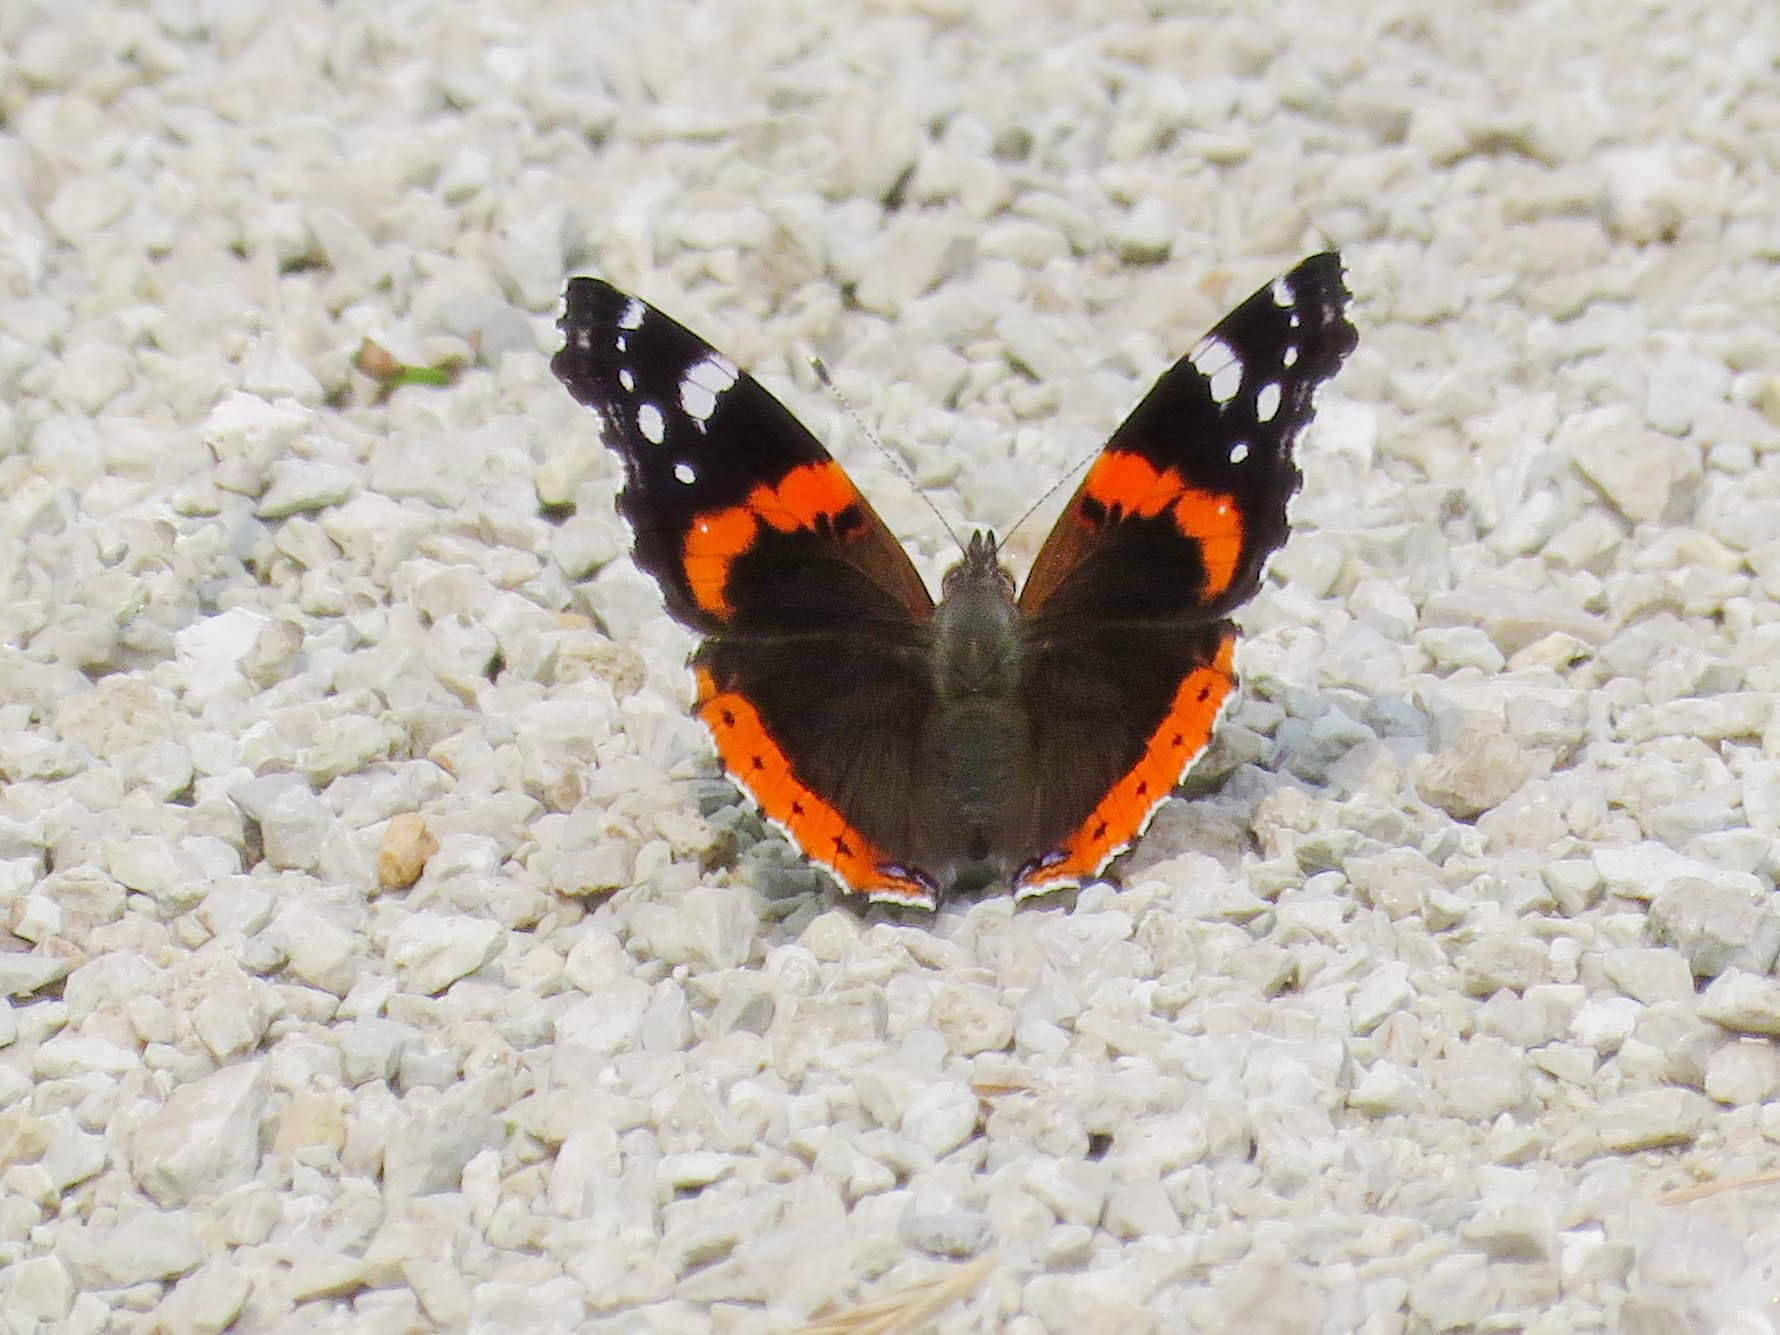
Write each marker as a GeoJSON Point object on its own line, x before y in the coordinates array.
{"type": "Point", "coordinates": [1460, 957]}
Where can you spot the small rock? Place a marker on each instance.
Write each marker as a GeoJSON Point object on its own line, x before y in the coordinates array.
{"type": "Point", "coordinates": [207, 1301]}
{"type": "Point", "coordinates": [972, 1018]}
{"type": "Point", "coordinates": [958, 1234]}
{"type": "Point", "coordinates": [1386, 1088]}
{"type": "Point", "coordinates": [1680, 387]}
{"type": "Point", "coordinates": [1454, 647]}
{"type": "Point", "coordinates": [1453, 1293]}
{"type": "Point", "coordinates": [118, 715]}
{"type": "Point", "coordinates": [1649, 974]}
{"type": "Point", "coordinates": [1512, 1227]}
{"type": "Point", "coordinates": [300, 485]}
{"type": "Point", "coordinates": [206, 1138]}
{"type": "Point", "coordinates": [1743, 1002]}
{"type": "Point", "coordinates": [310, 1119]}
{"type": "Point", "coordinates": [37, 1288]}
{"type": "Point", "coordinates": [439, 1133]}
{"type": "Point", "coordinates": [1146, 234]}
{"type": "Point", "coordinates": [1716, 926]}
{"type": "Point", "coordinates": [1503, 959]}
{"type": "Point", "coordinates": [69, 1055]}
{"type": "Point", "coordinates": [319, 950]}
{"type": "Point", "coordinates": [407, 844]}
{"type": "Point", "coordinates": [430, 951]}
{"type": "Point", "coordinates": [941, 1117]}
{"type": "Point", "coordinates": [1140, 1209]}
{"type": "Point", "coordinates": [1480, 770]}
{"type": "Point", "coordinates": [234, 1011]}
{"type": "Point", "coordinates": [1075, 1190]}
{"type": "Point", "coordinates": [141, 1247]}
{"type": "Point", "coordinates": [1384, 989]}
{"type": "Point", "coordinates": [1645, 475]}
{"type": "Point", "coordinates": [1647, 1118]}
{"type": "Point", "coordinates": [25, 974]}
{"type": "Point", "coordinates": [1481, 1079]}
{"type": "Point", "coordinates": [1639, 871]}
{"type": "Point", "coordinates": [1743, 1073]}
{"type": "Point", "coordinates": [371, 1048]}
{"type": "Point", "coordinates": [1603, 1023]}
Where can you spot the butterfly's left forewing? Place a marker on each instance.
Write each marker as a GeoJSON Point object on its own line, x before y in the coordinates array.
{"type": "Point", "coordinates": [1129, 658]}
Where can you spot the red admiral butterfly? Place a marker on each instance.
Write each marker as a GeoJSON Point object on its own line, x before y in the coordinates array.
{"type": "Point", "coordinates": [905, 746]}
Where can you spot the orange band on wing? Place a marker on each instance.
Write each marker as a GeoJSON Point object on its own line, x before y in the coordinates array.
{"type": "Point", "coordinates": [1124, 812]}
{"type": "Point", "coordinates": [809, 496]}
{"type": "Point", "coordinates": [756, 762]}
{"type": "Point", "coordinates": [1121, 481]}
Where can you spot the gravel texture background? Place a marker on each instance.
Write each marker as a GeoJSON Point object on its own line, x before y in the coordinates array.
{"type": "Point", "coordinates": [1460, 958]}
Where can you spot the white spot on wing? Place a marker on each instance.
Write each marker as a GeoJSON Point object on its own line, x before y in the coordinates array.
{"type": "Point", "coordinates": [626, 380]}
{"type": "Point", "coordinates": [703, 383]}
{"type": "Point", "coordinates": [651, 424]}
{"type": "Point", "coordinates": [1217, 361]}
{"type": "Point", "coordinates": [716, 373]}
{"type": "Point", "coordinates": [696, 400]}
{"type": "Point", "coordinates": [1239, 451]}
{"type": "Point", "coordinates": [1226, 382]}
{"type": "Point", "coordinates": [1291, 356]}
{"type": "Point", "coordinates": [1282, 293]}
{"type": "Point", "coordinates": [683, 473]}
{"type": "Point", "coordinates": [631, 317]}
{"type": "Point", "coordinates": [1267, 402]}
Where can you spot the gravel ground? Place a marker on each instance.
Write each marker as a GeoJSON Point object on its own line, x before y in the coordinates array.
{"type": "Point", "coordinates": [380, 951]}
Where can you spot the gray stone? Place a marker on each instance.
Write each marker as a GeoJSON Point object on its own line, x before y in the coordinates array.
{"type": "Point", "coordinates": [37, 1288]}
{"type": "Point", "coordinates": [439, 1133]}
{"type": "Point", "coordinates": [1643, 474]}
{"type": "Point", "coordinates": [1743, 1002]}
{"type": "Point", "coordinates": [140, 1247]}
{"type": "Point", "coordinates": [299, 485]}
{"type": "Point", "coordinates": [1716, 926]}
{"type": "Point", "coordinates": [206, 1138]}
{"type": "Point", "coordinates": [1384, 989]}
{"type": "Point", "coordinates": [1480, 769]}
{"type": "Point", "coordinates": [1146, 234]}
{"type": "Point", "coordinates": [320, 951]}
{"type": "Point", "coordinates": [1503, 959]}
{"type": "Point", "coordinates": [1452, 1293]}
{"type": "Point", "coordinates": [1743, 1074]}
{"type": "Point", "coordinates": [431, 951]}
{"type": "Point", "coordinates": [1649, 974]}
{"type": "Point", "coordinates": [941, 1117]}
{"type": "Point", "coordinates": [1639, 871]}
{"type": "Point", "coordinates": [1648, 1118]}
{"type": "Point", "coordinates": [1074, 1190]}
{"type": "Point", "coordinates": [207, 1301]}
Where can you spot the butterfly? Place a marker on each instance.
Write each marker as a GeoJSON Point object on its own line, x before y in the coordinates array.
{"type": "Point", "coordinates": [914, 748]}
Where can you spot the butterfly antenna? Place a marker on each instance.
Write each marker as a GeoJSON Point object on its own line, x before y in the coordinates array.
{"type": "Point", "coordinates": [821, 369]}
{"type": "Point", "coordinates": [1051, 491]}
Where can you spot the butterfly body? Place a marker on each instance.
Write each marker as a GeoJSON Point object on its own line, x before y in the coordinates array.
{"type": "Point", "coordinates": [915, 748]}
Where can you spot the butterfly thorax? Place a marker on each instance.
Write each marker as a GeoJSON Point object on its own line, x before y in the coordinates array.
{"type": "Point", "coordinates": [978, 740]}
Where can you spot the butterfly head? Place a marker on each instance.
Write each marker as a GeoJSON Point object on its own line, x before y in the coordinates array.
{"type": "Point", "coordinates": [976, 639]}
